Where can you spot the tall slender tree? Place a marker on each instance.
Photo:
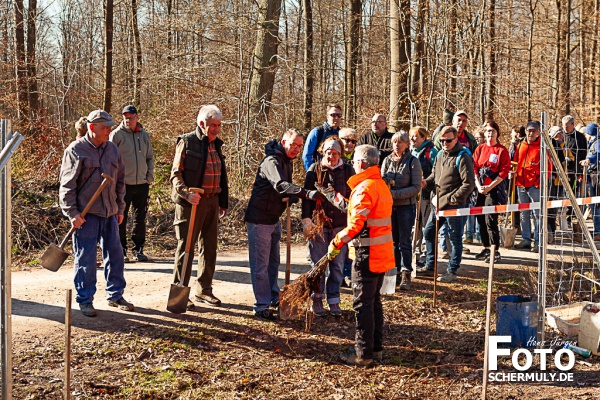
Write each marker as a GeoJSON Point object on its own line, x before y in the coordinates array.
{"type": "Point", "coordinates": [308, 64]}
{"type": "Point", "coordinates": [108, 53]}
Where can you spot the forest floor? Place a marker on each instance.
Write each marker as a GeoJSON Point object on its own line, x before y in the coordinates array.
{"type": "Point", "coordinates": [226, 353]}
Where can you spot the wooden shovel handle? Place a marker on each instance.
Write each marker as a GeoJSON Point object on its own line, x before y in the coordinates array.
{"type": "Point", "coordinates": [88, 205]}
{"type": "Point", "coordinates": [188, 243]}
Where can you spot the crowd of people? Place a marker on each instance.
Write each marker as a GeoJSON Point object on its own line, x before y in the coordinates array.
{"type": "Point", "coordinates": [368, 203]}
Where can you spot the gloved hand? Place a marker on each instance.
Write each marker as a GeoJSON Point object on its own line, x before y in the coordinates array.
{"type": "Point", "coordinates": [332, 252]}
{"type": "Point", "coordinates": [307, 225]}
{"type": "Point", "coordinates": [314, 195]}
{"type": "Point", "coordinates": [333, 197]}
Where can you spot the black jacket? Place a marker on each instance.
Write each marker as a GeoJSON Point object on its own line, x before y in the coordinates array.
{"type": "Point", "coordinates": [271, 186]}
{"type": "Point", "coordinates": [383, 143]}
{"type": "Point", "coordinates": [578, 145]}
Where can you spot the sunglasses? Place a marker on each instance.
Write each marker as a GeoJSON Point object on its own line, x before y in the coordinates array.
{"type": "Point", "coordinates": [353, 162]}
{"type": "Point", "coordinates": [446, 140]}
{"type": "Point", "coordinates": [336, 115]}
{"type": "Point", "coordinates": [350, 140]}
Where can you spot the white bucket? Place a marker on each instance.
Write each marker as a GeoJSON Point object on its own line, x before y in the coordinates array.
{"type": "Point", "coordinates": [389, 282]}
{"type": "Point", "coordinates": [589, 328]}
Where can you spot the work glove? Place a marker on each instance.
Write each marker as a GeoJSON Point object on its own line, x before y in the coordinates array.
{"type": "Point", "coordinates": [314, 195]}
{"type": "Point", "coordinates": [332, 252]}
{"type": "Point", "coordinates": [333, 197]}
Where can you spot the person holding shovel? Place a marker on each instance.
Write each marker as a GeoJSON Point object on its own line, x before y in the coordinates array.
{"type": "Point", "coordinates": [492, 165]}
{"type": "Point", "coordinates": [83, 163]}
{"type": "Point", "coordinates": [271, 192]}
{"type": "Point", "coordinates": [370, 232]}
{"type": "Point", "coordinates": [330, 170]}
{"type": "Point", "coordinates": [199, 163]}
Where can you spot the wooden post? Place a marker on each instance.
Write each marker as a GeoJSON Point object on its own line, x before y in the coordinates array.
{"type": "Point", "coordinates": [67, 386]}
{"type": "Point", "coordinates": [435, 244]}
{"type": "Point", "coordinates": [487, 321]}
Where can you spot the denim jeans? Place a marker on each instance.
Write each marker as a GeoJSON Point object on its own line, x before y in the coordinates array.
{"type": "Point", "coordinates": [402, 218]}
{"type": "Point", "coordinates": [331, 282]}
{"type": "Point", "coordinates": [425, 211]}
{"type": "Point", "coordinates": [263, 250]}
{"type": "Point", "coordinates": [529, 195]}
{"type": "Point", "coordinates": [85, 241]}
{"type": "Point", "coordinates": [443, 234]}
{"type": "Point", "coordinates": [456, 226]}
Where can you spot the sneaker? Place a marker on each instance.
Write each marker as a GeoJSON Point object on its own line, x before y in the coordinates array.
{"type": "Point", "coordinates": [122, 304]}
{"type": "Point", "coordinates": [483, 254]}
{"type": "Point", "coordinates": [140, 256]}
{"type": "Point", "coordinates": [190, 306]}
{"type": "Point", "coordinates": [535, 248]}
{"type": "Point", "coordinates": [523, 244]}
{"type": "Point", "coordinates": [208, 299]}
{"type": "Point", "coordinates": [88, 310]}
{"type": "Point", "coordinates": [468, 240]}
{"type": "Point", "coordinates": [447, 277]}
{"type": "Point", "coordinates": [405, 283]}
{"type": "Point", "coordinates": [349, 357]}
{"type": "Point", "coordinates": [265, 314]}
{"type": "Point", "coordinates": [318, 309]}
{"type": "Point", "coordinates": [446, 255]}
{"type": "Point", "coordinates": [420, 263]}
{"type": "Point", "coordinates": [335, 310]}
{"type": "Point", "coordinates": [274, 304]}
{"type": "Point", "coordinates": [424, 271]}
{"type": "Point", "coordinates": [497, 257]}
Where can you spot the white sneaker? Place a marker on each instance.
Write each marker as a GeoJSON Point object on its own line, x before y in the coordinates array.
{"type": "Point", "coordinates": [447, 277]}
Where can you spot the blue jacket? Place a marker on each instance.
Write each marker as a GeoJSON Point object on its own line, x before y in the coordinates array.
{"type": "Point", "coordinates": [313, 140]}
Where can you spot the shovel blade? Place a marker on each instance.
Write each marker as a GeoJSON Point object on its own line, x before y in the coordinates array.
{"type": "Point", "coordinates": [178, 298]}
{"type": "Point", "coordinates": [53, 258]}
{"type": "Point", "coordinates": [389, 282]}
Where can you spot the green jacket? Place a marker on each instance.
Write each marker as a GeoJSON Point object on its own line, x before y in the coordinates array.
{"type": "Point", "coordinates": [472, 142]}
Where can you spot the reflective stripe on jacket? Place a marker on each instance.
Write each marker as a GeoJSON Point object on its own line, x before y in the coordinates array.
{"type": "Point", "coordinates": [369, 227]}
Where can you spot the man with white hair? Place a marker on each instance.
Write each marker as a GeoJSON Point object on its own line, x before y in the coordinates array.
{"type": "Point", "coordinates": [575, 141]}
{"type": "Point", "coordinates": [83, 163]}
{"type": "Point", "coordinates": [199, 163]}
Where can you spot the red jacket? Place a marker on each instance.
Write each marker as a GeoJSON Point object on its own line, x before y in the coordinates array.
{"type": "Point", "coordinates": [528, 164]}
{"type": "Point", "coordinates": [496, 158]}
{"type": "Point", "coordinates": [369, 227]}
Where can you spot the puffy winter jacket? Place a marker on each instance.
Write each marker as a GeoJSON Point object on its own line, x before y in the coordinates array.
{"type": "Point", "coordinates": [404, 175]}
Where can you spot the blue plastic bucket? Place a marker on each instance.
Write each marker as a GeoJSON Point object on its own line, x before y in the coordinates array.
{"type": "Point", "coordinates": [517, 318]}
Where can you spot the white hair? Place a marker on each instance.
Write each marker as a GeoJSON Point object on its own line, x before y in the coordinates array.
{"type": "Point", "coordinates": [208, 112]}
{"type": "Point", "coordinates": [367, 153]}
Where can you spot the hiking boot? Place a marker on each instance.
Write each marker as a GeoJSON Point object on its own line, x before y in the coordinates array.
{"type": "Point", "coordinates": [349, 357]}
{"type": "Point", "coordinates": [88, 310]}
{"type": "Point", "coordinates": [378, 355]}
{"type": "Point", "coordinates": [523, 244]}
{"type": "Point", "coordinates": [424, 271]}
{"type": "Point", "coordinates": [483, 254]}
{"type": "Point", "coordinates": [140, 256]}
{"type": "Point", "coordinates": [405, 283]}
{"type": "Point", "coordinates": [265, 314]}
{"type": "Point", "coordinates": [335, 310]}
{"type": "Point", "coordinates": [318, 309]}
{"type": "Point", "coordinates": [447, 277]}
{"type": "Point", "coordinates": [274, 304]}
{"type": "Point", "coordinates": [497, 257]}
{"type": "Point", "coordinates": [122, 304]}
{"type": "Point", "coordinates": [535, 248]}
{"type": "Point", "coordinates": [420, 263]}
{"type": "Point", "coordinates": [446, 255]}
{"type": "Point", "coordinates": [190, 306]}
{"type": "Point", "coordinates": [468, 240]}
{"type": "Point", "coordinates": [208, 299]}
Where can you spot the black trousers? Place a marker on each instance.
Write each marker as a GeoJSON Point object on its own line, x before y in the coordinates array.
{"type": "Point", "coordinates": [488, 223]}
{"type": "Point", "coordinates": [368, 308]}
{"type": "Point", "coordinates": [136, 198]}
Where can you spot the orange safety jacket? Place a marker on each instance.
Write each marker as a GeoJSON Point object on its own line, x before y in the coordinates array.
{"type": "Point", "coordinates": [369, 227]}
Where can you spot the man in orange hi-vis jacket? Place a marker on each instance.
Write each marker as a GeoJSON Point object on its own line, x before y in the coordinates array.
{"type": "Point", "coordinates": [369, 231]}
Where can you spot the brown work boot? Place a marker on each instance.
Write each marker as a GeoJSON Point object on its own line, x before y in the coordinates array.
{"type": "Point", "coordinates": [208, 299]}
{"type": "Point", "coordinates": [405, 282]}
{"type": "Point", "coordinates": [349, 357]}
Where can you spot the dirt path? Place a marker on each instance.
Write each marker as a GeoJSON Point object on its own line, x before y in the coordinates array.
{"type": "Point", "coordinates": [38, 295]}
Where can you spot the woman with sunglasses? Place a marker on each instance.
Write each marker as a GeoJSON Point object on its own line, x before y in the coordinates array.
{"type": "Point", "coordinates": [491, 162]}
{"type": "Point", "coordinates": [423, 149]}
{"type": "Point", "coordinates": [349, 138]}
{"type": "Point", "coordinates": [402, 172]}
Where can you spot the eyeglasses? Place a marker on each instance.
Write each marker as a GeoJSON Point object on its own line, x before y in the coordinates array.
{"type": "Point", "coordinates": [446, 140]}
{"type": "Point", "coordinates": [353, 162]}
{"type": "Point", "coordinates": [350, 140]}
{"type": "Point", "coordinates": [336, 115]}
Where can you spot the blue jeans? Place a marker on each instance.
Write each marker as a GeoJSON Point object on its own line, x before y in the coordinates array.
{"type": "Point", "coordinates": [331, 284]}
{"type": "Point", "coordinates": [402, 218]}
{"type": "Point", "coordinates": [85, 241]}
{"type": "Point", "coordinates": [443, 234]}
{"type": "Point", "coordinates": [594, 190]}
{"type": "Point", "coordinates": [456, 226]}
{"type": "Point", "coordinates": [263, 250]}
{"type": "Point", "coordinates": [529, 195]}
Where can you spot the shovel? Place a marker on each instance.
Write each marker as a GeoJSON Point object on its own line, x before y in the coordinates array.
{"type": "Point", "coordinates": [55, 256]}
{"type": "Point", "coordinates": [508, 234]}
{"type": "Point", "coordinates": [179, 294]}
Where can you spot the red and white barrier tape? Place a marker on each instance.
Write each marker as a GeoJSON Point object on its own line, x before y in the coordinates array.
{"type": "Point", "coordinates": [514, 207]}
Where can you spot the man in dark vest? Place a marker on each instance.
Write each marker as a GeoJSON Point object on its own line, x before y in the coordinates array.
{"type": "Point", "coordinates": [199, 163]}
{"type": "Point", "coordinates": [379, 137]}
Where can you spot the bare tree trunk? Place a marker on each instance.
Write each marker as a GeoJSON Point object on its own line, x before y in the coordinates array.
{"type": "Point", "coordinates": [532, 6]}
{"type": "Point", "coordinates": [557, 58]}
{"type": "Point", "coordinates": [567, 61]}
{"type": "Point", "coordinates": [32, 87]}
{"type": "Point", "coordinates": [265, 61]}
{"type": "Point", "coordinates": [309, 68]}
{"type": "Point", "coordinates": [21, 66]}
{"type": "Point", "coordinates": [108, 54]}
{"type": "Point", "coordinates": [398, 63]}
{"type": "Point", "coordinates": [491, 99]}
{"type": "Point", "coordinates": [594, 64]}
{"type": "Point", "coordinates": [418, 60]}
{"type": "Point", "coordinates": [352, 59]}
{"type": "Point", "coordinates": [137, 88]}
